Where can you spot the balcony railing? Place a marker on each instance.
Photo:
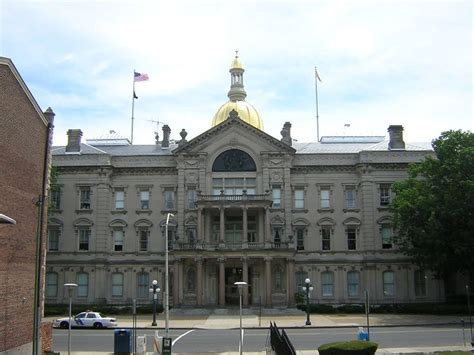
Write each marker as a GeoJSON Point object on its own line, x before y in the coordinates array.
{"type": "Point", "coordinates": [228, 245]}
{"type": "Point", "coordinates": [243, 197]}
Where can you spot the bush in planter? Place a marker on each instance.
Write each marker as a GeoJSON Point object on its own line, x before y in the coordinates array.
{"type": "Point", "coordinates": [355, 347]}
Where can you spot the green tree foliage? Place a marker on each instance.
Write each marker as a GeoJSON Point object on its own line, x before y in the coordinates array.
{"type": "Point", "coordinates": [433, 208]}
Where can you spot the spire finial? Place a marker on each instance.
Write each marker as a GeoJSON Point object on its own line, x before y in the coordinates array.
{"type": "Point", "coordinates": [236, 53]}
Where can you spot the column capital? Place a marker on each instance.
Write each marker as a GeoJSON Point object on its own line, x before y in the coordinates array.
{"type": "Point", "coordinates": [199, 259]}
{"type": "Point", "coordinates": [221, 259]}
{"type": "Point", "coordinates": [244, 259]}
{"type": "Point", "coordinates": [290, 259]}
{"type": "Point", "coordinates": [268, 259]}
{"type": "Point", "coordinates": [178, 260]}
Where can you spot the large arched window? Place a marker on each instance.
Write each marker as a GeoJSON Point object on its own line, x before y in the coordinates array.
{"type": "Point", "coordinates": [82, 280]}
{"type": "Point", "coordinates": [389, 283]}
{"type": "Point", "coordinates": [233, 160]}
{"type": "Point", "coordinates": [117, 284]}
{"type": "Point", "coordinates": [51, 284]}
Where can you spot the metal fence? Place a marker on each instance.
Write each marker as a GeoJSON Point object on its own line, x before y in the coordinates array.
{"type": "Point", "coordinates": [280, 342]}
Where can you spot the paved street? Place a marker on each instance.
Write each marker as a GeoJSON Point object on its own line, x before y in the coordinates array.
{"type": "Point", "coordinates": [218, 333]}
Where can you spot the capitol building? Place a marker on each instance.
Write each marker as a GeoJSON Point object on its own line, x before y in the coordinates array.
{"type": "Point", "coordinates": [242, 206]}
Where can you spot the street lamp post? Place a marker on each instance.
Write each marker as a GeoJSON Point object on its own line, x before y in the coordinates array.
{"type": "Point", "coordinates": [469, 310]}
{"type": "Point", "coordinates": [155, 289]}
{"type": "Point", "coordinates": [167, 291]}
{"type": "Point", "coordinates": [240, 285]}
{"type": "Point", "coordinates": [308, 288]}
{"type": "Point", "coordinates": [70, 287]}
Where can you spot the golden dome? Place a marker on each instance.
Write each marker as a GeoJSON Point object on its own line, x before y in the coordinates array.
{"type": "Point", "coordinates": [246, 111]}
{"type": "Point", "coordinates": [237, 95]}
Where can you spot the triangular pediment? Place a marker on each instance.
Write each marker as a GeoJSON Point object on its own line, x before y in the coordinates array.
{"type": "Point", "coordinates": [227, 131]}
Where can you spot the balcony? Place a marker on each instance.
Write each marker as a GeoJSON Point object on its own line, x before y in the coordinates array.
{"type": "Point", "coordinates": [230, 246]}
{"type": "Point", "coordinates": [261, 200]}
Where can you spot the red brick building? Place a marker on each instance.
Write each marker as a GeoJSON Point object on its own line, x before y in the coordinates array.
{"type": "Point", "coordinates": [25, 133]}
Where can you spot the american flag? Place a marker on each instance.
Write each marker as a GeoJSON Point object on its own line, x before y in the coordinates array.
{"type": "Point", "coordinates": [140, 76]}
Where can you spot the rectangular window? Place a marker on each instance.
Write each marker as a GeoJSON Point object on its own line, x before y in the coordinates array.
{"type": "Point", "coordinates": [353, 284]}
{"type": "Point", "coordinates": [53, 238]}
{"type": "Point", "coordinates": [84, 239]}
{"type": "Point", "coordinates": [82, 280]}
{"type": "Point", "coordinates": [143, 285]}
{"type": "Point", "coordinates": [145, 200]}
{"type": "Point", "coordinates": [300, 276]}
{"type": "Point", "coordinates": [85, 198]}
{"type": "Point", "coordinates": [55, 198]}
{"type": "Point", "coordinates": [326, 237]}
{"type": "Point", "coordinates": [191, 233]}
{"type": "Point", "coordinates": [51, 284]}
{"type": "Point", "coordinates": [192, 199]}
{"type": "Point", "coordinates": [299, 198]}
{"type": "Point", "coordinates": [420, 283]}
{"type": "Point", "coordinates": [169, 200]}
{"type": "Point", "coordinates": [119, 199]}
{"type": "Point", "coordinates": [118, 240]}
{"type": "Point", "coordinates": [276, 195]}
{"type": "Point", "coordinates": [300, 239]}
{"type": "Point", "coordinates": [350, 197]}
{"type": "Point", "coordinates": [143, 242]}
{"type": "Point", "coordinates": [327, 282]}
{"type": "Point", "coordinates": [325, 198]}
{"type": "Point", "coordinates": [351, 234]}
{"type": "Point", "coordinates": [117, 285]}
{"type": "Point", "coordinates": [384, 194]}
{"type": "Point", "coordinates": [386, 233]}
{"type": "Point", "coordinates": [389, 283]}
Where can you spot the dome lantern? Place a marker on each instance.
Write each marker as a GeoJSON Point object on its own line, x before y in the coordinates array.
{"type": "Point", "coordinates": [237, 95]}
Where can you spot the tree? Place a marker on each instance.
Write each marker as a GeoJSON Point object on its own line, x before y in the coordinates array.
{"type": "Point", "coordinates": [433, 208]}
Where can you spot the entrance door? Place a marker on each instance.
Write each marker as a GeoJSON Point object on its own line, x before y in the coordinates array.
{"type": "Point", "coordinates": [232, 275]}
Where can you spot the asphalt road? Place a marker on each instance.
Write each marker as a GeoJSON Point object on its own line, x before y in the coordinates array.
{"type": "Point", "coordinates": [213, 340]}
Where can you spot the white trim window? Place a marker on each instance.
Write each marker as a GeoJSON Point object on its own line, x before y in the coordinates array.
{"type": "Point", "coordinates": [325, 197]}
{"type": "Point", "coordinates": [117, 284]}
{"type": "Point", "coordinates": [143, 239]}
{"type": "Point", "coordinates": [350, 197]}
{"type": "Point", "coordinates": [55, 197]}
{"type": "Point", "coordinates": [119, 197]}
{"type": "Point", "coordinates": [351, 236]}
{"type": "Point", "coordinates": [353, 278]}
{"type": "Point", "coordinates": [85, 198]}
{"type": "Point", "coordinates": [298, 196]}
{"type": "Point", "coordinates": [300, 232]}
{"type": "Point", "coordinates": [54, 233]}
{"type": "Point", "coordinates": [192, 198]}
{"type": "Point", "coordinates": [169, 197]}
{"type": "Point", "coordinates": [385, 194]}
{"type": "Point", "coordinates": [276, 196]}
{"type": "Point", "coordinates": [388, 283]}
{"type": "Point", "coordinates": [118, 236]}
{"type": "Point", "coordinates": [84, 238]}
{"type": "Point", "coordinates": [82, 280]}
{"type": "Point", "coordinates": [144, 203]}
{"type": "Point", "coordinates": [326, 232]}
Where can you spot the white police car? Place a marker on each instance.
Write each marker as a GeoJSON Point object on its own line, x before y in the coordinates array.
{"type": "Point", "coordinates": [86, 319]}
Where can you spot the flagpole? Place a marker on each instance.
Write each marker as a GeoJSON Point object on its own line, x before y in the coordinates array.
{"type": "Point", "coordinates": [316, 91]}
{"type": "Point", "coordinates": [133, 105]}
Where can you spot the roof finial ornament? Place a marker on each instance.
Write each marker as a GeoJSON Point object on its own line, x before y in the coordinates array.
{"type": "Point", "coordinates": [236, 53]}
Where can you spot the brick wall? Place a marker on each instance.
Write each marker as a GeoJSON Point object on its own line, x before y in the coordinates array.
{"type": "Point", "coordinates": [46, 337]}
{"type": "Point", "coordinates": [22, 141]}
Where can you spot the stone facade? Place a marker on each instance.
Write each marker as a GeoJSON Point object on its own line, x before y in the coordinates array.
{"type": "Point", "coordinates": [245, 207]}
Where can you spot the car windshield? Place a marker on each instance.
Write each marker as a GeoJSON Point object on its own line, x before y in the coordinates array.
{"type": "Point", "coordinates": [81, 315]}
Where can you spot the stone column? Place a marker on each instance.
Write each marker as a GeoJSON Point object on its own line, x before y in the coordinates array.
{"type": "Point", "coordinates": [268, 281]}
{"type": "Point", "coordinates": [221, 262]}
{"type": "Point", "coordinates": [199, 225]}
{"type": "Point", "coordinates": [268, 237]}
{"type": "Point", "coordinates": [181, 283]}
{"type": "Point", "coordinates": [199, 280]}
{"type": "Point", "coordinates": [290, 276]}
{"type": "Point", "coordinates": [222, 226]}
{"type": "Point", "coordinates": [244, 228]}
{"type": "Point", "coordinates": [176, 282]}
{"type": "Point", "coordinates": [245, 278]}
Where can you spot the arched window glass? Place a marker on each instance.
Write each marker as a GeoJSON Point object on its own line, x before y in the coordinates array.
{"type": "Point", "coordinates": [82, 280]}
{"type": "Point", "coordinates": [233, 160]}
{"type": "Point", "coordinates": [327, 283]}
{"type": "Point", "coordinates": [143, 284]}
{"type": "Point", "coordinates": [51, 284]}
{"type": "Point", "coordinates": [300, 276]}
{"type": "Point", "coordinates": [277, 277]}
{"type": "Point", "coordinates": [389, 283]}
{"type": "Point", "coordinates": [353, 283]}
{"type": "Point", "coordinates": [117, 284]}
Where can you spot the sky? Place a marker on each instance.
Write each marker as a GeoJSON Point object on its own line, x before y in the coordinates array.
{"type": "Point", "coordinates": [381, 63]}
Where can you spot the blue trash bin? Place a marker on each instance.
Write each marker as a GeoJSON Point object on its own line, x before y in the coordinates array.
{"type": "Point", "coordinates": [122, 342]}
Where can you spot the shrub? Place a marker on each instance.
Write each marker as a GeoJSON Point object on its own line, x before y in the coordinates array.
{"type": "Point", "coordinates": [354, 347]}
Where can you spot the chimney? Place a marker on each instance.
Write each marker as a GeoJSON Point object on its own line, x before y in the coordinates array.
{"type": "Point", "coordinates": [286, 134]}
{"type": "Point", "coordinates": [74, 141]}
{"type": "Point", "coordinates": [49, 115]}
{"type": "Point", "coordinates": [396, 137]}
{"type": "Point", "coordinates": [166, 136]}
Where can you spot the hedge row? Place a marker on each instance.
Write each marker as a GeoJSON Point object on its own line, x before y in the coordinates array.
{"type": "Point", "coordinates": [401, 308]}
{"type": "Point", "coordinates": [355, 347]}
